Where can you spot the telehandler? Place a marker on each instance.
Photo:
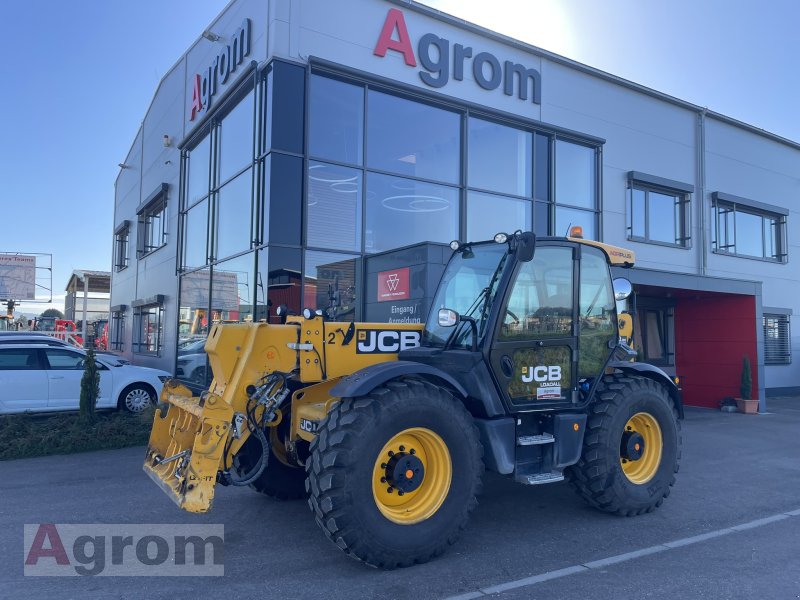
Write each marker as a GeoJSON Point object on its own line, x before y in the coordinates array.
{"type": "Point", "coordinates": [521, 369]}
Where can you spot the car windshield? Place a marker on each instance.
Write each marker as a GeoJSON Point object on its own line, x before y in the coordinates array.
{"type": "Point", "coordinates": [468, 286]}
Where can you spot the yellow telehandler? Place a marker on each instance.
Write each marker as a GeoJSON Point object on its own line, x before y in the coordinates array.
{"type": "Point", "coordinates": [387, 428]}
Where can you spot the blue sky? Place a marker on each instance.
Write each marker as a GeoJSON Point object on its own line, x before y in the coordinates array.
{"type": "Point", "coordinates": [77, 78]}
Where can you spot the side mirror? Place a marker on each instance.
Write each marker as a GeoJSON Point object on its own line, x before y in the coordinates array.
{"type": "Point", "coordinates": [526, 246]}
{"type": "Point", "coordinates": [622, 289]}
{"type": "Point", "coordinates": [447, 317]}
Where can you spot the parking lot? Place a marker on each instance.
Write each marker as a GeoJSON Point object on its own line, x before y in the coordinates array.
{"type": "Point", "coordinates": [522, 542]}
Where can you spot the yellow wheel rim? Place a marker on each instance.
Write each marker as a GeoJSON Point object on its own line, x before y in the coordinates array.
{"type": "Point", "coordinates": [644, 468]}
{"type": "Point", "coordinates": [421, 455]}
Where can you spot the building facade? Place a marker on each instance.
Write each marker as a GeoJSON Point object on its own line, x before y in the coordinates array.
{"type": "Point", "coordinates": [296, 140]}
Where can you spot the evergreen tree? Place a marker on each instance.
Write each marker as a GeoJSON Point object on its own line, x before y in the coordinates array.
{"type": "Point", "coordinates": [90, 388]}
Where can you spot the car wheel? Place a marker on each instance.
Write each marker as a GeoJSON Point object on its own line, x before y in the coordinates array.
{"type": "Point", "coordinates": [136, 398]}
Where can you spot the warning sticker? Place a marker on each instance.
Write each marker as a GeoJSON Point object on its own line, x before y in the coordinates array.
{"type": "Point", "coordinates": [548, 393]}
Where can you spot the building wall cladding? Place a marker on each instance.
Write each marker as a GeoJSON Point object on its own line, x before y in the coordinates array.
{"type": "Point", "coordinates": [644, 132]}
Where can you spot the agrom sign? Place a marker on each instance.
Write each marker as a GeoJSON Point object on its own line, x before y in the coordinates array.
{"type": "Point", "coordinates": [439, 60]}
{"type": "Point", "coordinates": [206, 85]}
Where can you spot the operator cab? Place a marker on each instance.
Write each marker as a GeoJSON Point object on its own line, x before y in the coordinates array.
{"type": "Point", "coordinates": [536, 317]}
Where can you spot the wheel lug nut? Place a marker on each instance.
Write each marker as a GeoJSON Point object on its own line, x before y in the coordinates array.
{"type": "Point", "coordinates": [402, 448]}
{"type": "Point", "coordinates": [390, 489]}
{"type": "Point", "coordinates": [383, 479]}
{"type": "Point", "coordinates": [391, 453]}
{"type": "Point", "coordinates": [412, 451]}
{"type": "Point", "coordinates": [383, 465]}
{"type": "Point", "coordinates": [400, 492]}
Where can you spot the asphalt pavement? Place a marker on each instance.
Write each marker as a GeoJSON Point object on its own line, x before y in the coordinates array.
{"type": "Point", "coordinates": [730, 529]}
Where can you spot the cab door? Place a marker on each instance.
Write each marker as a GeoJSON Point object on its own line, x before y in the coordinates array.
{"type": "Point", "coordinates": [534, 354]}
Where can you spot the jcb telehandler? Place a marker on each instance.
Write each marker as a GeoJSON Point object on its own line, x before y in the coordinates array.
{"type": "Point", "coordinates": [387, 428]}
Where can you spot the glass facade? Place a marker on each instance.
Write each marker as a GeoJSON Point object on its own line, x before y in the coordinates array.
{"type": "Point", "coordinates": [272, 214]}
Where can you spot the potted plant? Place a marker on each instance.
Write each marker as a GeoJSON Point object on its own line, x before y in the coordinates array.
{"type": "Point", "coordinates": [746, 403]}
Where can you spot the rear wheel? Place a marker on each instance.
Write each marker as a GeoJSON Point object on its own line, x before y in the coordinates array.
{"type": "Point", "coordinates": [631, 448]}
{"type": "Point", "coordinates": [136, 398]}
{"type": "Point", "coordinates": [393, 475]}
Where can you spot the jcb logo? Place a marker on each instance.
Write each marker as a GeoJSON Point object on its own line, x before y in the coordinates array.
{"type": "Point", "coordinates": [386, 341]}
{"type": "Point", "coordinates": [309, 426]}
{"type": "Point", "coordinates": [541, 373]}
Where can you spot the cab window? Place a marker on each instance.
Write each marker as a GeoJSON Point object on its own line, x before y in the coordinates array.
{"type": "Point", "coordinates": [598, 315]}
{"type": "Point", "coordinates": [540, 305]}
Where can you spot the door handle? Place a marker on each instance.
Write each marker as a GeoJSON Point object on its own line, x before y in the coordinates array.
{"type": "Point", "coordinates": [507, 366]}
{"type": "Point", "coordinates": [56, 377]}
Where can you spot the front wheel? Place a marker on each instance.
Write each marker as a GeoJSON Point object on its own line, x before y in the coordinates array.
{"type": "Point", "coordinates": [393, 476]}
{"type": "Point", "coordinates": [136, 398]}
{"type": "Point", "coordinates": [631, 449]}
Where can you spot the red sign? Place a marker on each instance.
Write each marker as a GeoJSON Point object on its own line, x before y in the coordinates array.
{"type": "Point", "coordinates": [394, 285]}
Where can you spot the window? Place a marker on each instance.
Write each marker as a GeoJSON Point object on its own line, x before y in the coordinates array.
{"type": "Point", "coordinates": [658, 213]}
{"type": "Point", "coordinates": [121, 237]}
{"type": "Point", "coordinates": [500, 158]}
{"type": "Point", "coordinates": [777, 340]}
{"type": "Point", "coordinates": [540, 305]}
{"type": "Point", "coordinates": [748, 228]}
{"type": "Point", "coordinates": [336, 116]}
{"type": "Point", "coordinates": [333, 217]}
{"type": "Point", "coordinates": [330, 284]}
{"type": "Point", "coordinates": [597, 313]}
{"type": "Point", "coordinates": [19, 359]}
{"type": "Point", "coordinates": [653, 336]}
{"type": "Point", "coordinates": [147, 322]}
{"type": "Point", "coordinates": [64, 360]}
{"type": "Point", "coordinates": [153, 221]}
{"type": "Point", "coordinates": [412, 138]}
{"type": "Point", "coordinates": [488, 214]}
{"type": "Point", "coordinates": [234, 202]}
{"type": "Point", "coordinates": [118, 330]}
{"type": "Point", "coordinates": [576, 188]}
{"type": "Point", "coordinates": [406, 211]}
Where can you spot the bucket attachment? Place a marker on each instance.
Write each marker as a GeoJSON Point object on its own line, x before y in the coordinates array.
{"type": "Point", "coordinates": [187, 444]}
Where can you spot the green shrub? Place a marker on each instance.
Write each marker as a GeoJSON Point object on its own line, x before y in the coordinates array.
{"type": "Point", "coordinates": [24, 436]}
{"type": "Point", "coordinates": [746, 385]}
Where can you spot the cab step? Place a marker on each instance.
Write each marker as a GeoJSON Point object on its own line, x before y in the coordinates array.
{"type": "Point", "coordinates": [533, 440]}
{"type": "Point", "coordinates": [539, 478]}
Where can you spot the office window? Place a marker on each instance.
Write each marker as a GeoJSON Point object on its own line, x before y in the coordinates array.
{"type": "Point", "coordinates": [121, 247]}
{"type": "Point", "coordinates": [336, 117]}
{"type": "Point", "coordinates": [234, 212]}
{"type": "Point", "coordinates": [333, 217]}
{"type": "Point", "coordinates": [488, 214]}
{"type": "Point", "coordinates": [747, 230]}
{"type": "Point", "coordinates": [412, 138]}
{"type": "Point", "coordinates": [153, 221]}
{"type": "Point", "coordinates": [657, 215]}
{"type": "Point", "coordinates": [147, 324]}
{"type": "Point", "coordinates": [653, 335]}
{"type": "Point", "coordinates": [117, 330]}
{"type": "Point", "coordinates": [331, 284]}
{"type": "Point", "coordinates": [575, 188]}
{"type": "Point", "coordinates": [777, 340]}
{"type": "Point", "coordinates": [403, 211]}
{"type": "Point", "coordinates": [500, 158]}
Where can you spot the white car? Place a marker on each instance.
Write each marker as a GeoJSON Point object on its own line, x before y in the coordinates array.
{"type": "Point", "coordinates": [36, 377]}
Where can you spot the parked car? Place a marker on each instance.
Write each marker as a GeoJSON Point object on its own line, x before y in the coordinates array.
{"type": "Point", "coordinates": [16, 337]}
{"type": "Point", "coordinates": [42, 377]}
{"type": "Point", "coordinates": [192, 360]}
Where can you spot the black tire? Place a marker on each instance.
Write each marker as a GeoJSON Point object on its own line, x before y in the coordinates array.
{"type": "Point", "coordinates": [598, 477]}
{"type": "Point", "coordinates": [344, 454]}
{"type": "Point", "coordinates": [136, 398]}
{"type": "Point", "coordinates": [278, 480]}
